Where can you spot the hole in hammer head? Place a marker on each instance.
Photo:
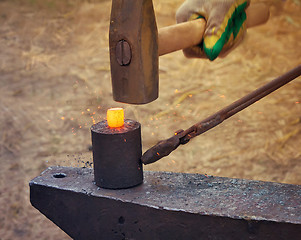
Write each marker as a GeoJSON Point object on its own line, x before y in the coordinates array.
{"type": "Point", "coordinates": [121, 220]}
{"type": "Point", "coordinates": [59, 175]}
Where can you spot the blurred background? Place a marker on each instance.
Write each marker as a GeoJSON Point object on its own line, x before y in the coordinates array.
{"type": "Point", "coordinates": [55, 83]}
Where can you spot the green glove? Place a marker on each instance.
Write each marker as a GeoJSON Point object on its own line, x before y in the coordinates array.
{"type": "Point", "coordinates": [225, 27]}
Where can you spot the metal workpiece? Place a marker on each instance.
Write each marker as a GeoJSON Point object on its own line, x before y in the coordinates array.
{"type": "Point", "coordinates": [117, 155]}
{"type": "Point", "coordinates": [168, 206]}
{"type": "Point", "coordinates": [134, 56]}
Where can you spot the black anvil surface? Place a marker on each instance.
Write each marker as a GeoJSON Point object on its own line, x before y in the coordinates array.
{"type": "Point", "coordinates": [168, 206]}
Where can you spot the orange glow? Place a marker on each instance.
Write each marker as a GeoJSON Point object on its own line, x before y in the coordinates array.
{"type": "Point", "coordinates": [93, 120]}
{"type": "Point", "coordinates": [115, 117]}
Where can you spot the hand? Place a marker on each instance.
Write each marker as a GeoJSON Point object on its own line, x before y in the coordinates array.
{"type": "Point", "coordinates": [225, 27]}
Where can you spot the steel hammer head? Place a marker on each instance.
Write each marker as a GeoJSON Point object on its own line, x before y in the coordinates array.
{"type": "Point", "coordinates": [134, 51]}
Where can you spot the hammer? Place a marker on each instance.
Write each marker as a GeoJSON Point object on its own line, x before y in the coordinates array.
{"type": "Point", "coordinates": [136, 44]}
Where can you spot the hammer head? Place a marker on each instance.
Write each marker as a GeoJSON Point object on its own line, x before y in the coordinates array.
{"type": "Point", "coordinates": [134, 51]}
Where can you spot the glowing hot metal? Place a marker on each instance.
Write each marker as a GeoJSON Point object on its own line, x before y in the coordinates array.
{"type": "Point", "coordinates": [115, 117]}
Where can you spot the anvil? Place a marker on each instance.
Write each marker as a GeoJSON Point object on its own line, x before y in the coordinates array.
{"type": "Point", "coordinates": [168, 206]}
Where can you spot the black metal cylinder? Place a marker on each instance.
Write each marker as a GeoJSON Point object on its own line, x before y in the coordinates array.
{"type": "Point", "coordinates": [117, 155]}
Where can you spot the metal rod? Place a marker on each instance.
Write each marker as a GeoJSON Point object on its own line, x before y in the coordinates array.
{"type": "Point", "coordinates": [165, 147]}
{"type": "Point", "coordinates": [246, 101]}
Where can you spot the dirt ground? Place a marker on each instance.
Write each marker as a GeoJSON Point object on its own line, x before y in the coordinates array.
{"type": "Point", "coordinates": [55, 83]}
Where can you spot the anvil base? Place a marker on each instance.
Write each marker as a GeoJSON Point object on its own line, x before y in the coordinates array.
{"type": "Point", "coordinates": [168, 206]}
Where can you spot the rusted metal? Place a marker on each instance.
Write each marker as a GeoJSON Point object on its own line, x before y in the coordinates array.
{"type": "Point", "coordinates": [134, 23]}
{"type": "Point", "coordinates": [165, 147]}
{"type": "Point", "coordinates": [123, 53]}
{"type": "Point", "coordinates": [168, 206]}
{"type": "Point", "coordinates": [117, 155]}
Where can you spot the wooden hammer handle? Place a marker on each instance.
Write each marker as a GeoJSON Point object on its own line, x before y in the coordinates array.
{"type": "Point", "coordinates": [188, 34]}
